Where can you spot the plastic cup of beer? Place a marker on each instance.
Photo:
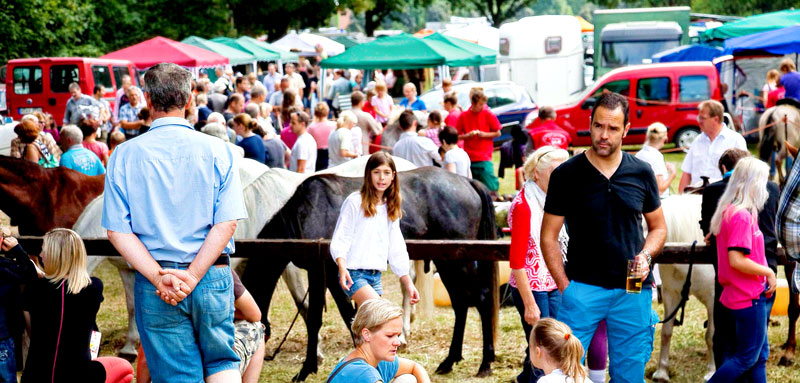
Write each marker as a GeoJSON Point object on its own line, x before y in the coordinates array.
{"type": "Point", "coordinates": [633, 284]}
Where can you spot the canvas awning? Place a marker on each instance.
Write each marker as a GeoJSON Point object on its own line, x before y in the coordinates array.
{"type": "Point", "coordinates": [161, 49]}
{"type": "Point", "coordinates": [753, 24]}
{"type": "Point", "coordinates": [282, 53]}
{"type": "Point", "coordinates": [487, 56]}
{"type": "Point", "coordinates": [260, 53]}
{"type": "Point", "coordinates": [778, 42]}
{"type": "Point", "coordinates": [304, 44]}
{"type": "Point", "coordinates": [236, 56]}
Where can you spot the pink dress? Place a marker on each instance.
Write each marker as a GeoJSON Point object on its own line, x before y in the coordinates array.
{"type": "Point", "coordinates": [320, 131]}
{"type": "Point", "coordinates": [384, 105]}
{"type": "Point", "coordinates": [739, 231]}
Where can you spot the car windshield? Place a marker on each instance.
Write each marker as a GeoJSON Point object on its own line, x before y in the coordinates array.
{"type": "Point", "coordinates": [433, 99]}
{"type": "Point", "coordinates": [621, 53]}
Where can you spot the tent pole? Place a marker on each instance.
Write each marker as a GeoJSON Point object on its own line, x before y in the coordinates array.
{"type": "Point", "coordinates": [321, 88]}
{"type": "Point", "coordinates": [280, 66]}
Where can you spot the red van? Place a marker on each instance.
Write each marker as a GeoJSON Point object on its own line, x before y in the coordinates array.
{"type": "Point", "coordinates": [668, 93]}
{"type": "Point", "coordinates": [42, 84]}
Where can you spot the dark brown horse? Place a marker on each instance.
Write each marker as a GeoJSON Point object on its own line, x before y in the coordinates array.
{"type": "Point", "coordinates": [38, 199]}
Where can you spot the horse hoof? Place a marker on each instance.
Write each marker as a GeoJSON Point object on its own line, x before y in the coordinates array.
{"type": "Point", "coordinates": [302, 375]}
{"type": "Point", "coordinates": [131, 358]}
{"type": "Point", "coordinates": [484, 372]}
{"type": "Point", "coordinates": [445, 368]}
{"type": "Point", "coordinates": [661, 376]}
{"type": "Point", "coordinates": [785, 361]}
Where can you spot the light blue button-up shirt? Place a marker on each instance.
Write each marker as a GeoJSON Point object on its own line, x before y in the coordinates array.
{"type": "Point", "coordinates": [169, 187]}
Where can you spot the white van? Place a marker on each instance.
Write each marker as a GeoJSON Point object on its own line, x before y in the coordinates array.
{"type": "Point", "coordinates": [545, 55]}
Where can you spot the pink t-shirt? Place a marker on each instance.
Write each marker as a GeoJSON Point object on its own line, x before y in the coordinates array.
{"type": "Point", "coordinates": [97, 148]}
{"type": "Point", "coordinates": [288, 137]}
{"type": "Point", "coordinates": [739, 231]}
{"type": "Point", "coordinates": [384, 105]}
{"type": "Point", "coordinates": [320, 131]}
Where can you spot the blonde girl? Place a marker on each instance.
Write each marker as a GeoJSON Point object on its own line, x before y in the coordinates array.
{"type": "Point", "coordinates": [367, 234]}
{"type": "Point", "coordinates": [557, 351]}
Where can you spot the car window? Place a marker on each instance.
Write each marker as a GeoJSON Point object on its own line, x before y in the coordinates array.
{"type": "Point", "coordinates": [61, 76]}
{"type": "Point", "coordinates": [102, 76]}
{"type": "Point", "coordinates": [28, 80]}
{"type": "Point", "coordinates": [653, 89]}
{"type": "Point", "coordinates": [500, 97]}
{"type": "Point", "coordinates": [694, 88]}
{"type": "Point", "coordinates": [620, 86]}
{"type": "Point", "coordinates": [120, 71]}
{"type": "Point", "coordinates": [433, 99]}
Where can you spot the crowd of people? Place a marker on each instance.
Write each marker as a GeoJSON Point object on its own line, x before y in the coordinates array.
{"type": "Point", "coordinates": [576, 225]}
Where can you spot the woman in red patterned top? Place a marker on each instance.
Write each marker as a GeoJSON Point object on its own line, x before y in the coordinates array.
{"type": "Point", "coordinates": [533, 289]}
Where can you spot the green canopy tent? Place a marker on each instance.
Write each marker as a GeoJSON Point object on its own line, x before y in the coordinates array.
{"type": "Point", "coordinates": [488, 56]}
{"type": "Point", "coordinates": [236, 56]}
{"type": "Point", "coordinates": [402, 51]}
{"type": "Point", "coordinates": [260, 53]}
{"type": "Point", "coordinates": [347, 41]}
{"type": "Point", "coordinates": [753, 24]}
{"type": "Point", "coordinates": [284, 54]}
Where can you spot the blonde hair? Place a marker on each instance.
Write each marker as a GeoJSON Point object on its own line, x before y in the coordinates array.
{"type": "Point", "coordinates": [65, 260]}
{"type": "Point", "coordinates": [773, 75]}
{"type": "Point", "coordinates": [561, 346]}
{"type": "Point", "coordinates": [656, 132]}
{"type": "Point", "coordinates": [747, 189]}
{"type": "Point", "coordinates": [542, 158]}
{"type": "Point", "coordinates": [371, 315]}
{"type": "Point", "coordinates": [787, 66]}
{"type": "Point", "coordinates": [346, 116]}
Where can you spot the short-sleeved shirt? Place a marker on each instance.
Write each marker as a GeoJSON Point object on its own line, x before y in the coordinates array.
{"type": "Point", "coordinates": [96, 147]}
{"type": "Point", "coordinates": [791, 82]}
{"type": "Point", "coordinates": [739, 231]}
{"type": "Point", "coordinates": [479, 149]}
{"type": "Point", "coordinates": [169, 187]}
{"type": "Point", "coordinates": [130, 113]}
{"type": "Point", "coordinates": [305, 148]}
{"type": "Point", "coordinates": [704, 154]}
{"type": "Point", "coordinates": [320, 131]}
{"type": "Point", "coordinates": [253, 148]}
{"type": "Point", "coordinates": [460, 158]}
{"type": "Point", "coordinates": [655, 159]}
{"type": "Point", "coordinates": [83, 160]}
{"type": "Point", "coordinates": [416, 105]}
{"type": "Point", "coordinates": [361, 372]}
{"type": "Point", "coordinates": [603, 216]}
{"type": "Point", "coordinates": [548, 133]}
{"type": "Point", "coordinates": [83, 107]}
{"type": "Point", "coordinates": [337, 140]}
{"type": "Point", "coordinates": [421, 151]}
{"type": "Point", "coordinates": [288, 136]}
{"type": "Point", "coordinates": [452, 118]}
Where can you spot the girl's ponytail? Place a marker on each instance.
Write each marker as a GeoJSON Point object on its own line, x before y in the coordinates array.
{"type": "Point", "coordinates": [571, 355]}
{"type": "Point", "coordinates": [562, 347]}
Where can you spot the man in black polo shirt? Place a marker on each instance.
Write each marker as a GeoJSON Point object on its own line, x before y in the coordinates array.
{"type": "Point", "coordinates": [602, 195]}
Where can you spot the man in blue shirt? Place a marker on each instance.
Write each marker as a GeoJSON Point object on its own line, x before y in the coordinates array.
{"type": "Point", "coordinates": [271, 80]}
{"type": "Point", "coordinates": [75, 156]}
{"type": "Point", "coordinates": [178, 246]}
{"type": "Point", "coordinates": [411, 102]}
{"type": "Point", "coordinates": [790, 79]}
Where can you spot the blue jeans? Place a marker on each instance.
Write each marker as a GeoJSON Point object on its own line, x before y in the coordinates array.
{"type": "Point", "coordinates": [363, 278]}
{"type": "Point", "coordinates": [8, 363]}
{"type": "Point", "coordinates": [630, 322]}
{"type": "Point", "coordinates": [752, 345]}
{"type": "Point", "coordinates": [548, 302]}
{"type": "Point", "coordinates": [193, 340]}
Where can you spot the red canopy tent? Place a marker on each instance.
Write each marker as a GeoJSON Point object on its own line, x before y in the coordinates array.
{"type": "Point", "coordinates": [161, 49]}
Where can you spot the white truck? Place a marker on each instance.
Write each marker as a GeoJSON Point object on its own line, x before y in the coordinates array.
{"type": "Point", "coordinates": [545, 55]}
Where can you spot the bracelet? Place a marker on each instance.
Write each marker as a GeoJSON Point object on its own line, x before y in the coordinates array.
{"type": "Point", "coordinates": [647, 255]}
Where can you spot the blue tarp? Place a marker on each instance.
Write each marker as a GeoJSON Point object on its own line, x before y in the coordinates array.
{"type": "Point", "coordinates": [779, 42]}
{"type": "Point", "coordinates": [688, 53]}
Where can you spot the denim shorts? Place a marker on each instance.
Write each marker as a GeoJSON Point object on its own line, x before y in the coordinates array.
{"type": "Point", "coordinates": [363, 278]}
{"type": "Point", "coordinates": [193, 340]}
{"type": "Point", "coordinates": [8, 363]}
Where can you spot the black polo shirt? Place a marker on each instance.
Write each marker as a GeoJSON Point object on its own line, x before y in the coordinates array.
{"type": "Point", "coordinates": [603, 217]}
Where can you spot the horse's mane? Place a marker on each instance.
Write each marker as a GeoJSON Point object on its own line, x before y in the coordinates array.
{"type": "Point", "coordinates": [682, 215]}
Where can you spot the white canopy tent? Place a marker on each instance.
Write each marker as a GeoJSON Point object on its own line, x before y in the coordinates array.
{"type": "Point", "coordinates": [485, 35]}
{"type": "Point", "coordinates": [304, 44]}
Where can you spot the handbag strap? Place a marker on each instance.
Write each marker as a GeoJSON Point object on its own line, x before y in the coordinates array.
{"type": "Point", "coordinates": [330, 378]}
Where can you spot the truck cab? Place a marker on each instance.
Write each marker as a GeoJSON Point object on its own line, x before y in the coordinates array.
{"type": "Point", "coordinates": [667, 93]}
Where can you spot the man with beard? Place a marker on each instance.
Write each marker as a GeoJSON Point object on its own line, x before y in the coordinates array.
{"type": "Point", "coordinates": [602, 196]}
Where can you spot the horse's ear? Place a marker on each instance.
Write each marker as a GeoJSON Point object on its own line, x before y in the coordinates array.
{"type": "Point", "coordinates": [791, 149]}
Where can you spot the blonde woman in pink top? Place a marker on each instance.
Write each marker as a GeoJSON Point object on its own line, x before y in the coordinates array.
{"type": "Point", "coordinates": [320, 129]}
{"type": "Point", "coordinates": [382, 103]}
{"type": "Point", "coordinates": [746, 279]}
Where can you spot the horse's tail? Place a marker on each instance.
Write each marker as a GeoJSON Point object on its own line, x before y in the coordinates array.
{"type": "Point", "coordinates": [767, 144]}
{"type": "Point", "coordinates": [488, 227]}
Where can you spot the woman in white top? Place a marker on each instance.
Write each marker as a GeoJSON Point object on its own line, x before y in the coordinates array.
{"type": "Point", "coordinates": [367, 234]}
{"type": "Point", "coordinates": [665, 172]}
{"type": "Point", "coordinates": [340, 142]}
{"type": "Point", "coordinates": [456, 160]}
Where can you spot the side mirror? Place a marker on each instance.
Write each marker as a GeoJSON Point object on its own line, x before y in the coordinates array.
{"type": "Point", "coordinates": [589, 103]}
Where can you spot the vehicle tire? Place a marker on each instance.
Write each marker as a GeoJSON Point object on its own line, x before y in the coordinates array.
{"type": "Point", "coordinates": [685, 136]}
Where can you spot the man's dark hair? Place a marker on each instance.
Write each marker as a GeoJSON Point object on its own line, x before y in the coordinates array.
{"type": "Point", "coordinates": [407, 119]}
{"type": "Point", "coordinates": [612, 101]}
{"type": "Point", "coordinates": [730, 157]}
{"type": "Point", "coordinates": [233, 97]}
{"type": "Point", "coordinates": [143, 114]}
{"type": "Point", "coordinates": [169, 87]}
{"type": "Point", "coordinates": [449, 135]}
{"type": "Point", "coordinates": [451, 98]}
{"type": "Point", "coordinates": [547, 112]}
{"type": "Point", "coordinates": [356, 97]}
{"type": "Point", "coordinates": [240, 80]}
{"type": "Point", "coordinates": [201, 88]}
{"type": "Point", "coordinates": [97, 88]}
{"type": "Point", "coordinates": [86, 127]}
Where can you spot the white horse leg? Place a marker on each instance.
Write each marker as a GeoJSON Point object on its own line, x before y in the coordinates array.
{"type": "Point", "coordinates": [130, 349]}
{"type": "Point", "coordinates": [703, 289]}
{"type": "Point", "coordinates": [672, 278]}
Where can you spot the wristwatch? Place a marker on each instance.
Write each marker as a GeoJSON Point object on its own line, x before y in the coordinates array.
{"type": "Point", "coordinates": [647, 255]}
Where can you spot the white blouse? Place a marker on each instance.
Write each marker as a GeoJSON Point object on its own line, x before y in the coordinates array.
{"type": "Point", "coordinates": [368, 243]}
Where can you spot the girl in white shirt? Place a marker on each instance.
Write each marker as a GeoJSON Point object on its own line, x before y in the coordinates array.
{"type": "Point", "coordinates": [367, 234]}
{"type": "Point", "coordinates": [557, 351]}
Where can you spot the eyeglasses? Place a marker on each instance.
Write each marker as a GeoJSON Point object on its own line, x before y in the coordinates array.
{"type": "Point", "coordinates": [701, 118]}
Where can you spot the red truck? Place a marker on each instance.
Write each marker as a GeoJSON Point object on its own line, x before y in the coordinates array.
{"type": "Point", "coordinates": [668, 93]}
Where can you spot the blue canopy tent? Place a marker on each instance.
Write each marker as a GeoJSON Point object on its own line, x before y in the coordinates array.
{"type": "Point", "coordinates": [688, 53]}
{"type": "Point", "coordinates": [778, 42]}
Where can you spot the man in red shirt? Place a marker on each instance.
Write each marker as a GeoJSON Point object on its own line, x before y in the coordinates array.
{"type": "Point", "coordinates": [478, 127]}
{"type": "Point", "coordinates": [547, 132]}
